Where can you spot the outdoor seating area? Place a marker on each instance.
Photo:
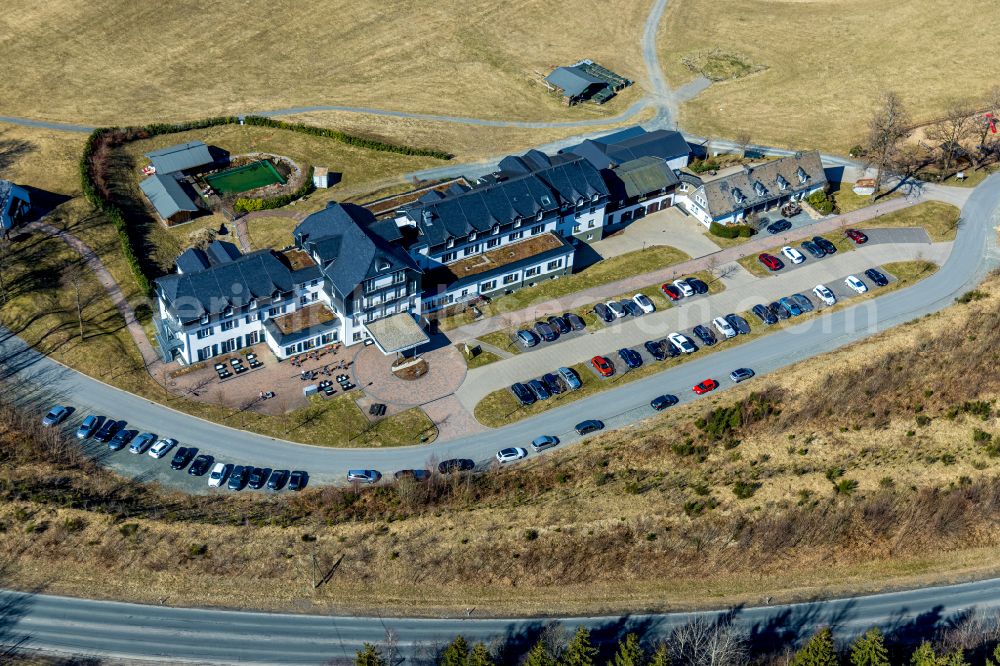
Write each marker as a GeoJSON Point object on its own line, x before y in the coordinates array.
{"type": "Point", "coordinates": [222, 368]}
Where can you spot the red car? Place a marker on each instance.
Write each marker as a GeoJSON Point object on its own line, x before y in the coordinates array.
{"type": "Point", "coordinates": [603, 366]}
{"type": "Point", "coordinates": [856, 236]}
{"type": "Point", "coordinates": [705, 386]}
{"type": "Point", "coordinates": [671, 292]}
{"type": "Point", "coordinates": [771, 261]}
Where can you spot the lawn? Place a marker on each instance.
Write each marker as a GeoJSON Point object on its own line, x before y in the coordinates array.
{"type": "Point", "coordinates": [941, 220]}
{"type": "Point", "coordinates": [847, 201]}
{"type": "Point", "coordinates": [821, 95]}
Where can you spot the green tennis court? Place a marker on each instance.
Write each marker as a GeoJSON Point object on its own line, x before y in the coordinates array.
{"type": "Point", "coordinates": [247, 177]}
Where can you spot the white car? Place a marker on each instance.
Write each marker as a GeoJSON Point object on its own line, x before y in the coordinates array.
{"type": "Point", "coordinates": [685, 288]}
{"type": "Point", "coordinates": [646, 305]}
{"type": "Point", "coordinates": [616, 309]}
{"type": "Point", "coordinates": [682, 342]}
{"type": "Point", "coordinates": [160, 449]}
{"type": "Point", "coordinates": [793, 255]}
{"type": "Point", "coordinates": [855, 283]}
{"type": "Point", "coordinates": [824, 294]}
{"type": "Point", "coordinates": [724, 327]}
{"type": "Point", "coordinates": [511, 454]}
{"type": "Point", "coordinates": [218, 475]}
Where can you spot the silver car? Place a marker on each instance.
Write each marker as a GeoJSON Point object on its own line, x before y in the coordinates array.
{"type": "Point", "coordinates": [544, 442]}
{"type": "Point", "coordinates": [570, 377]}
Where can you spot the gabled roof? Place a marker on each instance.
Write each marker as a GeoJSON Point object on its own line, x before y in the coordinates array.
{"type": "Point", "coordinates": [753, 185]}
{"type": "Point", "coordinates": [167, 195]}
{"type": "Point", "coordinates": [573, 81]}
{"type": "Point", "coordinates": [13, 200]}
{"type": "Point", "coordinates": [193, 259]}
{"type": "Point", "coordinates": [222, 252]}
{"type": "Point", "coordinates": [641, 176]}
{"type": "Point", "coordinates": [180, 157]}
{"type": "Point", "coordinates": [629, 145]}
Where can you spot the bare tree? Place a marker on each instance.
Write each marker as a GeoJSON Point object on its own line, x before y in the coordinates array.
{"type": "Point", "coordinates": [886, 129]}
{"type": "Point", "coordinates": [704, 642]}
{"type": "Point", "coordinates": [957, 126]}
{"type": "Point", "coordinates": [74, 277]}
{"type": "Point", "coordinates": [5, 251]}
{"type": "Point", "coordinates": [743, 141]}
{"type": "Point", "coordinates": [986, 136]}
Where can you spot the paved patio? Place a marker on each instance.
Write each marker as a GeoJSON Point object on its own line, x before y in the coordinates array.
{"type": "Point", "coordinates": [372, 372]}
{"type": "Point", "coordinates": [664, 227]}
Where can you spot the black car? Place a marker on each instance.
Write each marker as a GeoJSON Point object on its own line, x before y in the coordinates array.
{"type": "Point", "coordinates": [779, 226]}
{"type": "Point", "coordinates": [121, 439]}
{"type": "Point", "coordinates": [604, 312]}
{"type": "Point", "coordinates": [546, 332]}
{"type": "Point", "coordinates": [279, 478]}
{"type": "Point", "coordinates": [698, 285]}
{"type": "Point", "coordinates": [704, 334]}
{"type": "Point", "coordinates": [738, 323]}
{"type": "Point", "coordinates": [779, 310]}
{"type": "Point", "coordinates": [559, 324]}
{"type": "Point", "coordinates": [589, 426]}
{"type": "Point", "coordinates": [656, 350]}
{"type": "Point", "coordinates": [238, 479]}
{"type": "Point", "coordinates": [456, 465]}
{"type": "Point", "coordinates": [671, 350]}
{"type": "Point", "coordinates": [813, 249]}
{"type": "Point", "coordinates": [803, 302]}
{"type": "Point", "coordinates": [552, 383]}
{"type": "Point", "coordinates": [523, 394]}
{"type": "Point", "coordinates": [825, 245]}
{"type": "Point", "coordinates": [764, 314]}
{"type": "Point", "coordinates": [414, 474]}
{"type": "Point", "coordinates": [109, 430]}
{"type": "Point", "coordinates": [877, 277]}
{"type": "Point", "coordinates": [201, 465]}
{"type": "Point", "coordinates": [297, 480]}
{"type": "Point", "coordinates": [631, 357]}
{"type": "Point", "coordinates": [631, 308]}
{"type": "Point", "coordinates": [663, 401]}
{"type": "Point", "coordinates": [258, 477]}
{"type": "Point", "coordinates": [538, 388]}
{"type": "Point", "coordinates": [574, 321]}
{"type": "Point", "coordinates": [182, 457]}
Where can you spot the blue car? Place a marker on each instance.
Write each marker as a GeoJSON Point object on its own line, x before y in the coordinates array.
{"type": "Point", "coordinates": [790, 305]}
{"type": "Point", "coordinates": [631, 357]}
{"type": "Point", "coordinates": [538, 388]}
{"type": "Point", "coordinates": [523, 394]}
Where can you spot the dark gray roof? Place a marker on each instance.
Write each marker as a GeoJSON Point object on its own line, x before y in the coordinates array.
{"type": "Point", "coordinates": [167, 195]}
{"type": "Point", "coordinates": [222, 252]}
{"type": "Point", "coordinates": [532, 161]}
{"type": "Point", "coordinates": [13, 200]}
{"type": "Point", "coordinates": [758, 184]}
{"type": "Point", "coordinates": [629, 145]}
{"type": "Point", "coordinates": [348, 251]}
{"type": "Point", "coordinates": [192, 260]}
{"type": "Point", "coordinates": [180, 157]}
{"type": "Point", "coordinates": [573, 81]}
{"type": "Point", "coordinates": [640, 177]}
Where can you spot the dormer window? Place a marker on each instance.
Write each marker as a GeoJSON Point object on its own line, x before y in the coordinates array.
{"type": "Point", "coordinates": [496, 228]}
{"type": "Point", "coordinates": [472, 236]}
{"type": "Point", "coordinates": [737, 195]}
{"type": "Point", "coordinates": [382, 265]}
{"type": "Point", "coordinates": [782, 183]}
{"type": "Point", "coordinates": [546, 200]}
{"type": "Point", "coordinates": [276, 296]}
{"type": "Point", "coordinates": [540, 215]}
{"type": "Point", "coordinates": [517, 222]}
{"type": "Point", "coordinates": [759, 188]}
{"type": "Point", "coordinates": [595, 198]}
{"type": "Point", "coordinates": [227, 311]}
{"type": "Point", "coordinates": [580, 202]}
{"type": "Point", "coordinates": [450, 243]}
{"type": "Point", "coordinates": [204, 319]}
{"type": "Point", "coordinates": [253, 304]}
{"type": "Point", "coordinates": [802, 175]}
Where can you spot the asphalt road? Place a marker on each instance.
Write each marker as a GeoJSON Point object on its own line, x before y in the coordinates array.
{"type": "Point", "coordinates": [114, 629]}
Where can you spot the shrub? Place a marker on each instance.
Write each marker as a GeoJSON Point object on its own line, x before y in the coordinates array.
{"type": "Point", "coordinates": [701, 166]}
{"type": "Point", "coordinates": [970, 296]}
{"type": "Point", "coordinates": [845, 486]}
{"type": "Point", "coordinates": [197, 550]}
{"type": "Point", "coordinates": [923, 420]}
{"type": "Point", "coordinates": [822, 202]}
{"type": "Point", "coordinates": [745, 489]}
{"type": "Point", "coordinates": [530, 535]}
{"type": "Point", "coordinates": [731, 230]}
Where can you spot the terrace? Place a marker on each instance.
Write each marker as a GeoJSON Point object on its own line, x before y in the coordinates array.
{"type": "Point", "coordinates": [494, 259]}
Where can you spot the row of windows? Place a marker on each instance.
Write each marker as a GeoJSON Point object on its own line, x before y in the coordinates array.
{"type": "Point", "coordinates": [227, 346]}
{"type": "Point", "coordinates": [229, 325]}
{"type": "Point", "coordinates": [325, 339]}
{"type": "Point", "coordinates": [511, 278]}
{"type": "Point", "coordinates": [491, 243]}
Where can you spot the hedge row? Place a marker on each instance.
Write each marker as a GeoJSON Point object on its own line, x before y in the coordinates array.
{"type": "Point", "coordinates": [247, 205]}
{"type": "Point", "coordinates": [349, 139]}
{"type": "Point", "coordinates": [731, 230]}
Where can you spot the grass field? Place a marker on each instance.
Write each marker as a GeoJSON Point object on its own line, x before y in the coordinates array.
{"type": "Point", "coordinates": [825, 62]}
{"type": "Point", "coordinates": [138, 63]}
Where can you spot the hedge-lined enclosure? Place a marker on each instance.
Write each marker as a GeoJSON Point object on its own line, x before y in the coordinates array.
{"type": "Point", "coordinates": [249, 204]}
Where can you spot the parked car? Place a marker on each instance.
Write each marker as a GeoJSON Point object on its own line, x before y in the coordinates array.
{"type": "Point", "coordinates": [219, 474]}
{"type": "Point", "coordinates": [644, 303]}
{"type": "Point", "coordinates": [201, 464]}
{"type": "Point", "coordinates": [559, 324]}
{"type": "Point", "coordinates": [813, 249]}
{"type": "Point", "coordinates": [544, 442]}
{"type": "Point", "coordinates": [182, 457]}
{"type": "Point", "coordinates": [456, 465]}
{"type": "Point", "coordinates": [790, 305]}
{"type": "Point", "coordinates": [631, 357]}
{"type": "Point", "coordinates": [661, 402]}
{"type": "Point", "coordinates": [778, 226]}
{"type": "Point", "coordinates": [546, 332]}
{"type": "Point", "coordinates": [699, 286]}
{"type": "Point", "coordinates": [803, 302]}
{"type": "Point", "coordinates": [616, 309]}
{"type": "Point", "coordinates": [88, 427]}
{"type": "Point", "coordinates": [671, 350]}
{"type": "Point", "coordinates": [363, 475]}
{"type": "Point", "coordinates": [238, 478]}
{"type": "Point", "coordinates": [824, 245]}
{"type": "Point", "coordinates": [160, 449]}
{"type": "Point", "coordinates": [278, 479]}
{"type": "Point", "coordinates": [683, 342]}
{"type": "Point", "coordinates": [824, 294]}
{"type": "Point", "coordinates": [705, 386]}
{"type": "Point", "coordinates": [604, 312]}
{"type": "Point", "coordinates": [589, 426]}
{"type": "Point", "coordinates": [671, 292]}
{"type": "Point", "coordinates": [511, 454]}
{"type": "Point", "coordinates": [684, 287]}
{"type": "Point", "coordinates": [603, 366]}
{"type": "Point", "coordinates": [55, 416]}
{"type": "Point", "coordinates": [764, 314]}
{"type": "Point", "coordinates": [655, 350]}
{"type": "Point", "coordinates": [298, 480]}
{"type": "Point", "coordinates": [523, 394]}
{"type": "Point", "coordinates": [738, 323]}
{"type": "Point", "coordinates": [741, 374]}
{"type": "Point", "coordinates": [141, 443]}
{"type": "Point", "coordinates": [724, 328]}
{"type": "Point", "coordinates": [857, 236]}
{"type": "Point", "coordinates": [413, 474]}
{"type": "Point", "coordinates": [575, 321]}
{"type": "Point", "coordinates": [551, 382]}
{"type": "Point", "coordinates": [527, 338]}
{"type": "Point", "coordinates": [538, 388]}
{"type": "Point", "coordinates": [877, 277]}
{"type": "Point", "coordinates": [793, 255]}
{"type": "Point", "coordinates": [631, 308]}
{"type": "Point", "coordinates": [122, 439]}
{"type": "Point", "coordinates": [779, 310]}
{"type": "Point", "coordinates": [108, 430]}
{"type": "Point", "coordinates": [258, 477]}
{"type": "Point", "coordinates": [770, 261]}
{"type": "Point", "coordinates": [570, 377]}
{"type": "Point", "coordinates": [706, 336]}
{"type": "Point", "coordinates": [855, 283]}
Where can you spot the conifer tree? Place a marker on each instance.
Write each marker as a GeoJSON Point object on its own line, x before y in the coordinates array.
{"type": "Point", "coordinates": [369, 656]}
{"type": "Point", "coordinates": [870, 650]}
{"type": "Point", "coordinates": [579, 652]}
{"type": "Point", "coordinates": [819, 651]}
{"type": "Point", "coordinates": [629, 652]}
